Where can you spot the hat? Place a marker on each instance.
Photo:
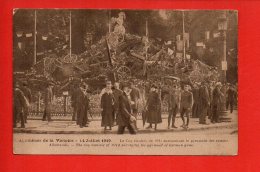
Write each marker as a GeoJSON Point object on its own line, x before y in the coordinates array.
{"type": "Point", "coordinates": [218, 84]}
{"type": "Point", "coordinates": [124, 84]}
{"type": "Point", "coordinates": [154, 86]}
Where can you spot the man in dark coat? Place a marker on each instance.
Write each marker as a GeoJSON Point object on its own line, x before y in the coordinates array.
{"type": "Point", "coordinates": [186, 105]}
{"type": "Point", "coordinates": [48, 97]}
{"type": "Point", "coordinates": [135, 96]}
{"type": "Point", "coordinates": [125, 118]}
{"type": "Point", "coordinates": [107, 107]}
{"type": "Point", "coordinates": [20, 103]}
{"type": "Point", "coordinates": [117, 93]}
{"type": "Point", "coordinates": [195, 107]}
{"type": "Point", "coordinates": [82, 105]}
{"type": "Point", "coordinates": [216, 103]}
{"type": "Point", "coordinates": [204, 102]}
{"type": "Point", "coordinates": [174, 104]}
{"type": "Point", "coordinates": [73, 100]}
{"type": "Point", "coordinates": [231, 97]}
{"type": "Point", "coordinates": [153, 107]}
{"type": "Point", "coordinates": [28, 95]}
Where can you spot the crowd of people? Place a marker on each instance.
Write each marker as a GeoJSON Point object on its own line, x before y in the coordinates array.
{"type": "Point", "coordinates": [119, 104]}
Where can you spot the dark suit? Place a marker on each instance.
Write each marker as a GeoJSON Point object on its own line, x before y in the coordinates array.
{"type": "Point", "coordinates": [117, 93]}
{"type": "Point", "coordinates": [231, 92]}
{"type": "Point", "coordinates": [124, 114]}
{"type": "Point", "coordinates": [82, 102]}
{"type": "Point", "coordinates": [19, 104]}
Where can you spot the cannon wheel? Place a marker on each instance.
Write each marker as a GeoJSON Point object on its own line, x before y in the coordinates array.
{"type": "Point", "coordinates": [70, 59]}
{"type": "Point", "coordinates": [123, 72]}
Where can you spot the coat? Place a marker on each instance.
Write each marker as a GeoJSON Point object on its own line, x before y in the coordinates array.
{"type": "Point", "coordinates": [154, 108]}
{"type": "Point", "coordinates": [124, 111]}
{"type": "Point", "coordinates": [195, 107]}
{"type": "Point", "coordinates": [117, 93]}
{"type": "Point", "coordinates": [20, 101]}
{"type": "Point", "coordinates": [217, 98]}
{"type": "Point", "coordinates": [174, 100]}
{"type": "Point", "coordinates": [107, 104]}
{"type": "Point", "coordinates": [135, 95]}
{"type": "Point", "coordinates": [186, 99]}
{"type": "Point", "coordinates": [82, 106]}
{"type": "Point", "coordinates": [204, 97]}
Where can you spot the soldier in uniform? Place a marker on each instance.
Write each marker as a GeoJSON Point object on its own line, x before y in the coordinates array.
{"type": "Point", "coordinates": [153, 106]}
{"type": "Point", "coordinates": [28, 95]}
{"type": "Point", "coordinates": [20, 103]}
{"type": "Point", "coordinates": [48, 98]}
{"type": "Point", "coordinates": [174, 104]}
{"type": "Point", "coordinates": [125, 118]}
{"type": "Point", "coordinates": [107, 107]}
{"type": "Point", "coordinates": [204, 102]}
{"type": "Point", "coordinates": [186, 105]}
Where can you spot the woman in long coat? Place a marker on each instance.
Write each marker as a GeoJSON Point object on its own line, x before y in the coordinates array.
{"type": "Point", "coordinates": [153, 107]}
{"type": "Point", "coordinates": [107, 106]}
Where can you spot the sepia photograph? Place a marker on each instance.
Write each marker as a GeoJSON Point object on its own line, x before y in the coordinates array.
{"type": "Point", "coordinates": [125, 82]}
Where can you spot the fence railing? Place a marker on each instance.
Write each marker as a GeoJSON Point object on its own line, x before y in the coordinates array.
{"type": "Point", "coordinates": [62, 109]}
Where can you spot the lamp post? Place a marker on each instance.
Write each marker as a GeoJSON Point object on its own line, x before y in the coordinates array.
{"type": "Point", "coordinates": [222, 27]}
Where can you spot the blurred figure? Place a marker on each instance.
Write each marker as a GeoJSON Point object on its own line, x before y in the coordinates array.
{"type": "Point", "coordinates": [204, 102]}
{"type": "Point", "coordinates": [216, 103]}
{"type": "Point", "coordinates": [153, 107]}
{"type": "Point", "coordinates": [135, 96]}
{"type": "Point", "coordinates": [186, 105]}
{"type": "Point", "coordinates": [174, 105]}
{"type": "Point", "coordinates": [195, 107]}
{"type": "Point", "coordinates": [48, 98]}
{"type": "Point", "coordinates": [125, 118]}
{"type": "Point", "coordinates": [231, 98]}
{"type": "Point", "coordinates": [28, 95]}
{"type": "Point", "coordinates": [82, 101]}
{"type": "Point", "coordinates": [117, 93]}
{"type": "Point", "coordinates": [107, 107]}
{"type": "Point", "coordinates": [20, 104]}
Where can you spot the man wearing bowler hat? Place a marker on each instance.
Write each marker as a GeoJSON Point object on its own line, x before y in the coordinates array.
{"type": "Point", "coordinates": [125, 118]}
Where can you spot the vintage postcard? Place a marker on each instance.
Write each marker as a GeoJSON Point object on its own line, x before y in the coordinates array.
{"type": "Point", "coordinates": [125, 82]}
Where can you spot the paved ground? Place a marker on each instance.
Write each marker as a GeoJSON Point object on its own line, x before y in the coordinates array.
{"type": "Point", "coordinates": [69, 127]}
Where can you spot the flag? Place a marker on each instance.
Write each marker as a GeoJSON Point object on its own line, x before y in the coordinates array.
{"type": "Point", "coordinates": [216, 35]}
{"type": "Point", "coordinates": [207, 35]}
{"type": "Point", "coordinates": [170, 51]}
{"type": "Point", "coordinates": [28, 35]}
{"type": "Point", "coordinates": [199, 44]}
{"type": "Point", "coordinates": [179, 45]}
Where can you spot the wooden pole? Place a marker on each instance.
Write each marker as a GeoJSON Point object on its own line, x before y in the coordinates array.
{"type": "Point", "coordinates": [109, 24]}
{"type": "Point", "coordinates": [35, 32]}
{"type": "Point", "coordinates": [183, 33]}
{"type": "Point", "coordinates": [70, 33]}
